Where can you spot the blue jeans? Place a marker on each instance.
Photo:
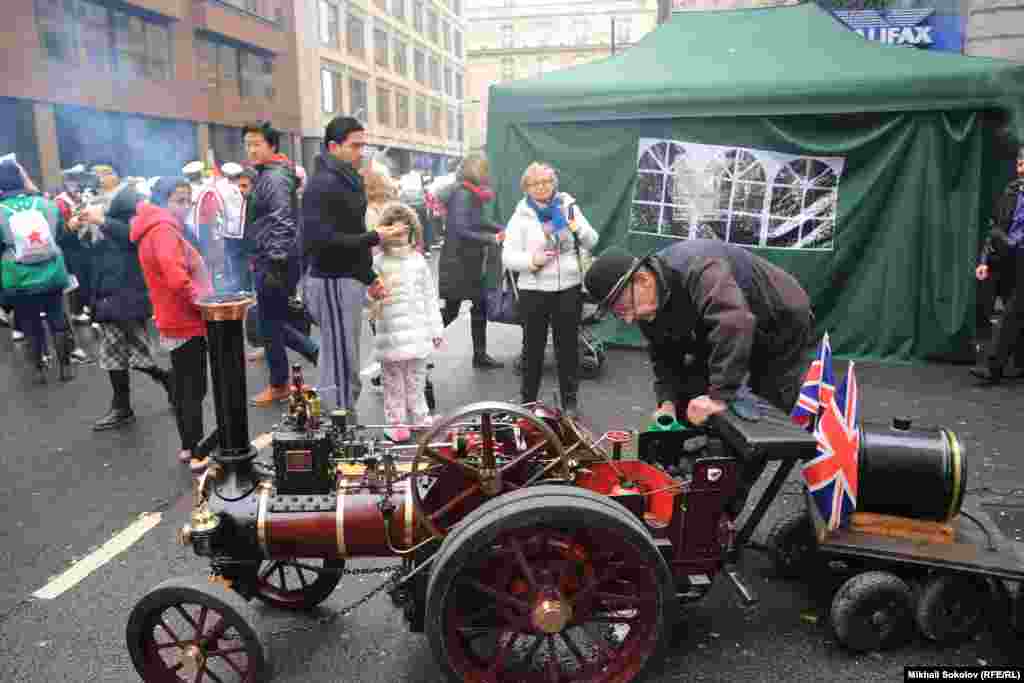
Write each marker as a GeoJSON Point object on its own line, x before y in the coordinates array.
{"type": "Point", "coordinates": [27, 308]}
{"type": "Point", "coordinates": [236, 262]}
{"type": "Point", "coordinates": [278, 331]}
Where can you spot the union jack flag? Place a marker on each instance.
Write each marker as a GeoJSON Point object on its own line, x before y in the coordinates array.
{"type": "Point", "coordinates": [818, 378]}
{"type": "Point", "coordinates": [831, 477]}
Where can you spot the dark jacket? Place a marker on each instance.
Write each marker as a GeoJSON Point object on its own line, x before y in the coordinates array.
{"type": "Point", "coordinates": [724, 305]}
{"type": "Point", "coordinates": [461, 267]}
{"type": "Point", "coordinates": [118, 286]}
{"type": "Point", "coordinates": [270, 214]}
{"type": "Point", "coordinates": [335, 241]}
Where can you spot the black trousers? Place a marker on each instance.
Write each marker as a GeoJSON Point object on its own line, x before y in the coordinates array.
{"type": "Point", "coordinates": [1007, 339]}
{"type": "Point", "coordinates": [561, 312]}
{"type": "Point", "coordinates": [477, 322]}
{"type": "Point", "coordinates": [189, 369]}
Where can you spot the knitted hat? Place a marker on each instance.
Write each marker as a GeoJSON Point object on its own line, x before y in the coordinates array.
{"type": "Point", "coordinates": [609, 274]}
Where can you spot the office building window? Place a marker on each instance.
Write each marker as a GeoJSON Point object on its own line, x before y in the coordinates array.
{"type": "Point", "coordinates": [255, 75]}
{"type": "Point", "coordinates": [356, 34]}
{"type": "Point", "coordinates": [359, 100]}
{"type": "Point", "coordinates": [450, 132]}
{"type": "Point", "coordinates": [435, 120]}
{"type": "Point", "coordinates": [271, 10]}
{"type": "Point", "coordinates": [380, 46]}
{"type": "Point", "coordinates": [435, 73]}
{"type": "Point", "coordinates": [417, 16]}
{"type": "Point", "coordinates": [227, 66]}
{"type": "Point", "coordinates": [94, 36]}
{"type": "Point", "coordinates": [507, 39]}
{"type": "Point", "coordinates": [419, 66]}
{"type": "Point", "coordinates": [383, 106]}
{"type": "Point", "coordinates": [401, 111]}
{"type": "Point", "coordinates": [206, 63]}
{"type": "Point", "coordinates": [458, 86]}
{"type": "Point", "coordinates": [401, 53]}
{"type": "Point", "coordinates": [58, 34]}
{"type": "Point", "coordinates": [457, 36]}
{"type": "Point", "coordinates": [432, 27]}
{"type": "Point", "coordinates": [331, 90]}
{"type": "Point", "coordinates": [421, 116]}
{"type": "Point", "coordinates": [508, 69]}
{"type": "Point", "coordinates": [328, 19]}
{"type": "Point", "coordinates": [143, 47]}
{"type": "Point", "coordinates": [398, 9]}
{"type": "Point", "coordinates": [448, 81]}
{"type": "Point", "coordinates": [623, 29]}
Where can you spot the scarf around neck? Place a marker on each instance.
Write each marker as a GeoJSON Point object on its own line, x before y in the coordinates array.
{"type": "Point", "coordinates": [482, 192]}
{"type": "Point", "coordinates": [552, 213]}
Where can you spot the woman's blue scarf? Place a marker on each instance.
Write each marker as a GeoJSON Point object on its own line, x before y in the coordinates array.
{"type": "Point", "coordinates": [552, 213]}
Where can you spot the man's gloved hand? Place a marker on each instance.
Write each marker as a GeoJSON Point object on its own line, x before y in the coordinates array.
{"type": "Point", "coordinates": [276, 276]}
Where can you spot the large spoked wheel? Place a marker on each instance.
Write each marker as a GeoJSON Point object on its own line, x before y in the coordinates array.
{"type": "Point", "coordinates": [548, 584]}
{"type": "Point", "coordinates": [195, 631]}
{"type": "Point", "coordinates": [297, 584]}
{"type": "Point", "coordinates": [446, 485]}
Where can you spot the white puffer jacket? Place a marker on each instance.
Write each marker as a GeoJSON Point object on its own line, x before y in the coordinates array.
{"type": "Point", "coordinates": [410, 318]}
{"type": "Point", "coordinates": [525, 235]}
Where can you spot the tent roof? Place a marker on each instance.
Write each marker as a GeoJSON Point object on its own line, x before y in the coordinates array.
{"type": "Point", "coordinates": [768, 61]}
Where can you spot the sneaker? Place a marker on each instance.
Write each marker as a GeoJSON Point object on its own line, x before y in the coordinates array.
{"type": "Point", "coordinates": [17, 336]}
{"type": "Point", "coordinates": [197, 465]}
{"type": "Point", "coordinates": [96, 326]}
{"type": "Point", "coordinates": [399, 434]}
{"type": "Point", "coordinates": [4, 318]}
{"type": "Point", "coordinates": [80, 357]}
{"type": "Point", "coordinates": [269, 396]}
{"type": "Point", "coordinates": [81, 319]}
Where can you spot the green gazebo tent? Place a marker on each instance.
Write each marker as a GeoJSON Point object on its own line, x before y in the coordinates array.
{"type": "Point", "coordinates": [926, 139]}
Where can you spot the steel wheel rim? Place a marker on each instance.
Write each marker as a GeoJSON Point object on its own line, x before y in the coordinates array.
{"type": "Point", "coordinates": [188, 641]}
{"type": "Point", "coordinates": [609, 601]}
{"type": "Point", "coordinates": [478, 485]}
{"type": "Point", "coordinates": [304, 576]}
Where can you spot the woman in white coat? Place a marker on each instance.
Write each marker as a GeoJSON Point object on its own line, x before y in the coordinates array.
{"type": "Point", "coordinates": [544, 243]}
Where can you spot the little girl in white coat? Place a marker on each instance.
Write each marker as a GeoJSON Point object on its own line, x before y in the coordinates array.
{"type": "Point", "coordinates": [408, 322]}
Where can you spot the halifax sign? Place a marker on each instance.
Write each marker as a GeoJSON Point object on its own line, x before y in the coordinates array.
{"type": "Point", "coordinates": [921, 28]}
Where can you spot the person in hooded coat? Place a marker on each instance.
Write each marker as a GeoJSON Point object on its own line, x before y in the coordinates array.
{"type": "Point", "coordinates": [178, 279]}
{"type": "Point", "coordinates": [122, 306]}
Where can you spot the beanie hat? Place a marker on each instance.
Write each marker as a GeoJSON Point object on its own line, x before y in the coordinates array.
{"type": "Point", "coordinates": [609, 274]}
{"type": "Point", "coordinates": [340, 127]}
{"type": "Point", "coordinates": [164, 187]}
{"type": "Point", "coordinates": [10, 177]}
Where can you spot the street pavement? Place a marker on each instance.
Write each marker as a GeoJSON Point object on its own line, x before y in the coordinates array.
{"type": "Point", "coordinates": [65, 490]}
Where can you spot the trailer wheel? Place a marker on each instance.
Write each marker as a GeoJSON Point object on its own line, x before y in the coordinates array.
{"type": "Point", "coordinates": [951, 607]}
{"type": "Point", "coordinates": [792, 544]}
{"type": "Point", "coordinates": [871, 611]}
{"type": "Point", "coordinates": [297, 584]}
{"type": "Point", "coordinates": [546, 585]}
{"type": "Point", "coordinates": [196, 629]}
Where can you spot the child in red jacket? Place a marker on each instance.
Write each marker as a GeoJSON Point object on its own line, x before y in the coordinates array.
{"type": "Point", "coordinates": [177, 279]}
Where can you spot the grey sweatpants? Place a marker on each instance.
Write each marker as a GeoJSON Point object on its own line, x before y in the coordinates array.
{"type": "Point", "coordinates": [336, 305]}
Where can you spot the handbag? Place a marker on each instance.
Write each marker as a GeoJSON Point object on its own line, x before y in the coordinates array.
{"type": "Point", "coordinates": [501, 303]}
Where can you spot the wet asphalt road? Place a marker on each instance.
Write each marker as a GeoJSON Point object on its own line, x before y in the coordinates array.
{"type": "Point", "coordinates": [65, 490]}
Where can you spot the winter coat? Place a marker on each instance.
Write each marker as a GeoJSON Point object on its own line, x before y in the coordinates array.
{"type": "Point", "coordinates": [271, 212]}
{"type": "Point", "coordinates": [119, 289]}
{"type": "Point", "coordinates": [335, 240]}
{"type": "Point", "coordinates": [174, 270]}
{"type": "Point", "coordinates": [725, 304]}
{"type": "Point", "coordinates": [525, 235]}
{"type": "Point", "coordinates": [20, 279]}
{"type": "Point", "coordinates": [410, 318]}
{"type": "Point", "coordinates": [461, 266]}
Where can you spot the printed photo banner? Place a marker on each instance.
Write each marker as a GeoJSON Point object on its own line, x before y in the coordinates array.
{"type": "Point", "coordinates": [751, 197]}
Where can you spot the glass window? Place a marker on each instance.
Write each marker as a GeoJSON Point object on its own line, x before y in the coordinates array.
{"type": "Point", "coordinates": [417, 16]}
{"type": "Point", "coordinates": [435, 73]}
{"type": "Point", "coordinates": [359, 102]}
{"type": "Point", "coordinates": [450, 131]}
{"type": "Point", "coordinates": [384, 106]}
{"type": "Point", "coordinates": [227, 62]}
{"type": "Point", "coordinates": [130, 38]}
{"type": "Point", "coordinates": [401, 111]}
{"type": "Point", "coordinates": [457, 7]}
{"type": "Point", "coordinates": [458, 86]}
{"type": "Point", "coordinates": [446, 35]}
{"type": "Point", "coordinates": [356, 35]}
{"type": "Point", "coordinates": [432, 27]}
{"type": "Point", "coordinates": [206, 63]}
{"type": "Point", "coordinates": [401, 56]}
{"type": "Point", "coordinates": [328, 24]}
{"type": "Point", "coordinates": [55, 22]}
{"type": "Point", "coordinates": [458, 43]}
{"type": "Point", "coordinates": [419, 66]}
{"type": "Point", "coordinates": [256, 75]}
{"type": "Point", "coordinates": [623, 29]}
{"type": "Point", "coordinates": [327, 91]}
{"type": "Point", "coordinates": [421, 115]}
{"type": "Point", "coordinates": [159, 49]}
{"type": "Point", "coordinates": [94, 35]}
{"type": "Point", "coordinates": [380, 47]}
{"type": "Point", "coordinates": [506, 35]}
{"type": "Point", "coordinates": [435, 120]}
{"type": "Point", "coordinates": [460, 124]}
{"type": "Point", "coordinates": [448, 81]}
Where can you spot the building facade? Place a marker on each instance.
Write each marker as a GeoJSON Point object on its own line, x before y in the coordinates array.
{"type": "Point", "coordinates": [147, 84]}
{"type": "Point", "coordinates": [397, 65]}
{"type": "Point", "coordinates": [514, 39]}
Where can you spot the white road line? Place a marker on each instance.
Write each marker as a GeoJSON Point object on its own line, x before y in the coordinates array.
{"type": "Point", "coordinates": [115, 546]}
{"type": "Point", "coordinates": [94, 560]}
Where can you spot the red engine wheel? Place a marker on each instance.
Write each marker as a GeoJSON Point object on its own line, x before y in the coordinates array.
{"type": "Point", "coordinates": [192, 630]}
{"type": "Point", "coordinates": [552, 585]}
{"type": "Point", "coordinates": [455, 485]}
{"type": "Point", "coordinates": [298, 584]}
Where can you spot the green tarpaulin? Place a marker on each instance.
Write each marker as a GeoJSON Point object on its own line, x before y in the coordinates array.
{"type": "Point", "coordinates": [927, 139]}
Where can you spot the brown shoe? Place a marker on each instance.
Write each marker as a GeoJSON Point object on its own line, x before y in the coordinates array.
{"type": "Point", "coordinates": [269, 396]}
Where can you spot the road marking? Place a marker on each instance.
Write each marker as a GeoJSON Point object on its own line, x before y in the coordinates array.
{"type": "Point", "coordinates": [96, 559]}
{"type": "Point", "coordinates": [115, 546]}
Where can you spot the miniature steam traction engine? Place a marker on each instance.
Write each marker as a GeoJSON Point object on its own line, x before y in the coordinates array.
{"type": "Point", "coordinates": [528, 549]}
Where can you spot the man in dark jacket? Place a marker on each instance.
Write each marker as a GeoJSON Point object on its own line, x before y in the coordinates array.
{"type": "Point", "coordinates": [270, 230]}
{"type": "Point", "coordinates": [338, 247]}
{"type": "Point", "coordinates": [122, 306]}
{"type": "Point", "coordinates": [744, 319]}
